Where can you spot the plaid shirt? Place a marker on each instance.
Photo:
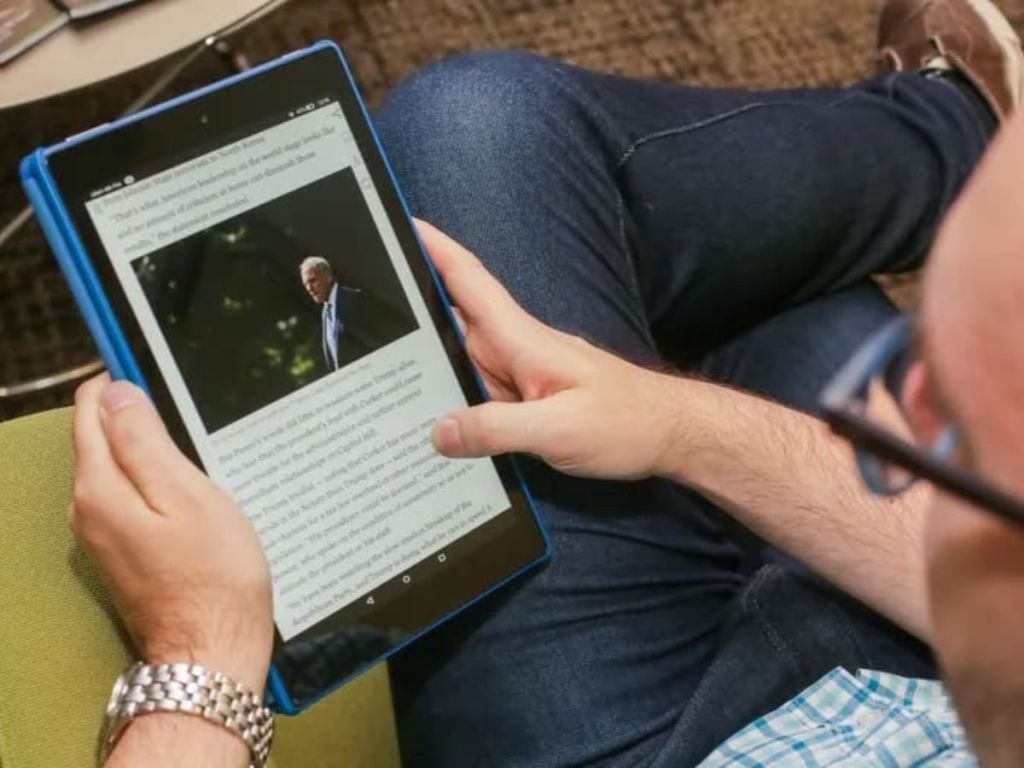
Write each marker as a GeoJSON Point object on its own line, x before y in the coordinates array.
{"type": "Point", "coordinates": [869, 719]}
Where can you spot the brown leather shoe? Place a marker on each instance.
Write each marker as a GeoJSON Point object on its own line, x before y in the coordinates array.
{"type": "Point", "coordinates": [971, 36]}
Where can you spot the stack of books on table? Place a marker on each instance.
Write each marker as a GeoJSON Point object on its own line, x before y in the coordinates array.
{"type": "Point", "coordinates": [23, 23]}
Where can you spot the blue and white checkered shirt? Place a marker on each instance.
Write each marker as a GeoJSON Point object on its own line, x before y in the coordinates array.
{"type": "Point", "coordinates": [869, 719]}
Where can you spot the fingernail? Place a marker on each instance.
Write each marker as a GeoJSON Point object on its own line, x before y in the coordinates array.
{"type": "Point", "coordinates": [446, 436]}
{"type": "Point", "coordinates": [118, 395]}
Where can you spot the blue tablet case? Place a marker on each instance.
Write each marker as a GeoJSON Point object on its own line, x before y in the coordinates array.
{"type": "Point", "coordinates": [74, 262]}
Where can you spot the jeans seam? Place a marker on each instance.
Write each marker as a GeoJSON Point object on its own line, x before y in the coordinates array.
{"type": "Point", "coordinates": [771, 632]}
{"type": "Point", "coordinates": [632, 257]}
{"type": "Point", "coordinates": [632, 260]}
{"type": "Point", "coordinates": [607, 129]}
{"type": "Point", "coordinates": [719, 118]}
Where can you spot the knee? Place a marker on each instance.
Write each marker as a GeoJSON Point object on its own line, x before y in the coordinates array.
{"type": "Point", "coordinates": [481, 91]}
{"type": "Point", "coordinates": [479, 75]}
{"type": "Point", "coordinates": [479, 110]}
{"type": "Point", "coordinates": [492, 147]}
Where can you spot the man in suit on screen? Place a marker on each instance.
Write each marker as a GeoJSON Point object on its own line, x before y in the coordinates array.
{"type": "Point", "coordinates": [322, 286]}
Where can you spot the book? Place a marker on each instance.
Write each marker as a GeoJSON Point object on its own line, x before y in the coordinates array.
{"type": "Point", "coordinates": [23, 23]}
{"type": "Point", "coordinates": [79, 9]}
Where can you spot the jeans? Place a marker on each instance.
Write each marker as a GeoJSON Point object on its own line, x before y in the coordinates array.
{"type": "Point", "coordinates": [729, 234]}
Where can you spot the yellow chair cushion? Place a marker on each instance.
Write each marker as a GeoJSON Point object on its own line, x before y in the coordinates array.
{"type": "Point", "coordinates": [61, 646]}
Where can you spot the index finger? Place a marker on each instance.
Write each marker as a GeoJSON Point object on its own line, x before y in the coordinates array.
{"type": "Point", "coordinates": [475, 290]}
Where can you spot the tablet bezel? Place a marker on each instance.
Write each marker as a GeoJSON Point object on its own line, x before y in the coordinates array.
{"type": "Point", "coordinates": [171, 134]}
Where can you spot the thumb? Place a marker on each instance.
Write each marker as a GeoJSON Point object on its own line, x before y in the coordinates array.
{"type": "Point", "coordinates": [140, 445]}
{"type": "Point", "coordinates": [493, 428]}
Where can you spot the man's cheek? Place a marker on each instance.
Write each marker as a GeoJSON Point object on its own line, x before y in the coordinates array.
{"type": "Point", "coordinates": [976, 582]}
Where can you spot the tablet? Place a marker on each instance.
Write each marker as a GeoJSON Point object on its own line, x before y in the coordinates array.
{"type": "Point", "coordinates": [244, 254]}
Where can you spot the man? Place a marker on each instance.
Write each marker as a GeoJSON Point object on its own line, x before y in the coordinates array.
{"type": "Point", "coordinates": [318, 279]}
{"type": "Point", "coordinates": [730, 233]}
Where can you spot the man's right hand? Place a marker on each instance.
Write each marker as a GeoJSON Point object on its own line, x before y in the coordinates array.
{"type": "Point", "coordinates": [583, 410]}
{"type": "Point", "coordinates": [183, 565]}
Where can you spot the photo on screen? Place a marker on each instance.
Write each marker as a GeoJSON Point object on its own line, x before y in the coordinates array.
{"type": "Point", "coordinates": [258, 306]}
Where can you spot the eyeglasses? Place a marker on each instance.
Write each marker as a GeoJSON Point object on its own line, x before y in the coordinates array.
{"type": "Point", "coordinates": [862, 405]}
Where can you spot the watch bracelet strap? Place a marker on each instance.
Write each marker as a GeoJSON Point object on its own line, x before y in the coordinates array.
{"type": "Point", "coordinates": [192, 689]}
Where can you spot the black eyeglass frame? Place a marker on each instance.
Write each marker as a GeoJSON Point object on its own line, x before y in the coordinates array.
{"type": "Point", "coordinates": [840, 402]}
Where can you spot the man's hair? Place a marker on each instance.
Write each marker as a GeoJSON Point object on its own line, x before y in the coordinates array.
{"type": "Point", "coordinates": [319, 263]}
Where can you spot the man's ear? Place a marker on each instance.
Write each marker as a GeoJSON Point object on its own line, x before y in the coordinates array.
{"type": "Point", "coordinates": [918, 402]}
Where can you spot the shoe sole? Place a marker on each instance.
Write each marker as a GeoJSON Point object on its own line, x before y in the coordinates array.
{"type": "Point", "coordinates": [1006, 38]}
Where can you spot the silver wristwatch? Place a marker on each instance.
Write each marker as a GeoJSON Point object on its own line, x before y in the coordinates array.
{"type": "Point", "coordinates": [189, 689]}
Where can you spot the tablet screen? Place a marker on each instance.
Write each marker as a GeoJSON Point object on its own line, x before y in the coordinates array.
{"type": "Point", "coordinates": [303, 349]}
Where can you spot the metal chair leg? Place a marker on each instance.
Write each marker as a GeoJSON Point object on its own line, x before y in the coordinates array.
{"type": "Point", "coordinates": [49, 382]}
